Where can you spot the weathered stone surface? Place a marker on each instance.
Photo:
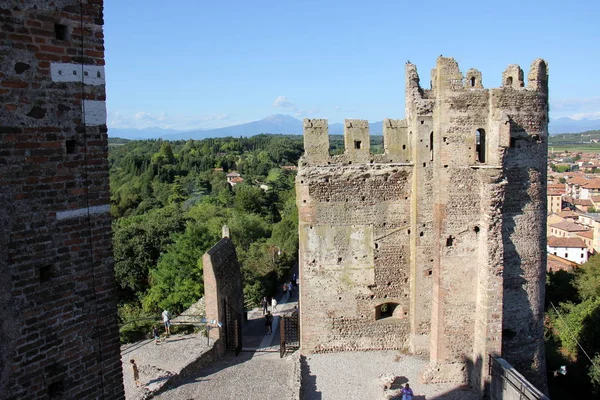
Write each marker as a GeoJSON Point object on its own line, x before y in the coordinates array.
{"type": "Point", "coordinates": [436, 245]}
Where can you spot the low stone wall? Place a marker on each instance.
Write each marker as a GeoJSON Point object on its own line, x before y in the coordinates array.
{"type": "Point", "coordinates": [296, 383]}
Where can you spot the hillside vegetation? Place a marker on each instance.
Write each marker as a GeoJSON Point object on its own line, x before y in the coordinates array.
{"type": "Point", "coordinates": [169, 201]}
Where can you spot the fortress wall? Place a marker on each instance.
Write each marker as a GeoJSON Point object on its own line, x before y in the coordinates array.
{"type": "Point", "coordinates": [473, 201]}
{"type": "Point", "coordinates": [354, 248]}
{"type": "Point", "coordinates": [59, 336]}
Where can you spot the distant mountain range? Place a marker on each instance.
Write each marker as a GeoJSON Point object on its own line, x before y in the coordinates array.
{"type": "Point", "coordinates": [286, 124]}
{"type": "Point", "coordinates": [274, 124]}
{"type": "Point", "coordinates": [568, 125]}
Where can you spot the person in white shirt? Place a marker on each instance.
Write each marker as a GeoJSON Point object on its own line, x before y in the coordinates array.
{"type": "Point", "coordinates": [166, 316]}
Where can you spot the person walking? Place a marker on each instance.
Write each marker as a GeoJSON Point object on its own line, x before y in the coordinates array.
{"type": "Point", "coordinates": [166, 316]}
{"type": "Point", "coordinates": [156, 334]}
{"type": "Point", "coordinates": [269, 323]}
{"type": "Point", "coordinates": [136, 373]}
{"type": "Point", "coordinates": [265, 305]}
{"type": "Point", "coordinates": [273, 304]}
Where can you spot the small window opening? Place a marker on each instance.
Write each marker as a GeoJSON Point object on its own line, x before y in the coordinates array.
{"type": "Point", "coordinates": [480, 148]}
{"type": "Point", "coordinates": [508, 334]}
{"type": "Point", "coordinates": [71, 146]}
{"type": "Point", "coordinates": [472, 81]}
{"type": "Point", "coordinates": [339, 260]}
{"type": "Point", "coordinates": [60, 31]}
{"type": "Point", "coordinates": [509, 81]}
{"type": "Point", "coordinates": [56, 390]}
{"type": "Point", "coordinates": [45, 273]}
{"type": "Point", "coordinates": [476, 229]}
{"type": "Point", "coordinates": [449, 241]}
{"type": "Point", "coordinates": [357, 144]}
{"type": "Point", "coordinates": [429, 272]}
{"type": "Point", "coordinates": [431, 146]}
{"type": "Point", "coordinates": [403, 147]}
{"type": "Point", "coordinates": [385, 310]}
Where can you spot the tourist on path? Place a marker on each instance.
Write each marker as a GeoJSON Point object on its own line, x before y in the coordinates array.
{"type": "Point", "coordinates": [166, 316]}
{"type": "Point", "coordinates": [265, 305]}
{"type": "Point", "coordinates": [269, 323]}
{"type": "Point", "coordinates": [136, 373]}
{"type": "Point", "coordinates": [274, 304]}
{"type": "Point", "coordinates": [156, 334]}
{"type": "Point", "coordinates": [407, 393]}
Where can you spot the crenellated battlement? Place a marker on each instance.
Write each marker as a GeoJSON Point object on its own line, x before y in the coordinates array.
{"type": "Point", "coordinates": [447, 76]}
{"type": "Point", "coordinates": [357, 143]}
{"type": "Point", "coordinates": [468, 124]}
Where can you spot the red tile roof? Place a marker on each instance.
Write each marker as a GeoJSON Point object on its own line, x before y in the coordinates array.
{"type": "Point", "coordinates": [554, 241]}
{"type": "Point", "coordinates": [569, 226]}
{"type": "Point", "coordinates": [586, 234]}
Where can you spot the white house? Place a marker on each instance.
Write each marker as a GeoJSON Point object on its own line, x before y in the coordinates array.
{"type": "Point", "coordinates": [572, 249]}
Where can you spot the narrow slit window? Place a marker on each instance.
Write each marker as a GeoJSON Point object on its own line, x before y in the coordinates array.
{"type": "Point", "coordinates": [431, 146]}
{"type": "Point", "coordinates": [472, 81]}
{"type": "Point", "coordinates": [480, 148]}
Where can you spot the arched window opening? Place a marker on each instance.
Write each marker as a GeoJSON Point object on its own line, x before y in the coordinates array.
{"type": "Point", "coordinates": [472, 81]}
{"type": "Point", "coordinates": [480, 148]}
{"type": "Point", "coordinates": [388, 310]}
{"type": "Point", "coordinates": [509, 81]}
{"type": "Point", "coordinates": [431, 146]}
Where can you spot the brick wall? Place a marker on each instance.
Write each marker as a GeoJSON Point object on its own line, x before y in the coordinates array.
{"type": "Point", "coordinates": [222, 284]}
{"type": "Point", "coordinates": [59, 334]}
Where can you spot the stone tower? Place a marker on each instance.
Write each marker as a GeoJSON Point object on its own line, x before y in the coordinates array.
{"type": "Point", "coordinates": [438, 244]}
{"type": "Point", "coordinates": [59, 335]}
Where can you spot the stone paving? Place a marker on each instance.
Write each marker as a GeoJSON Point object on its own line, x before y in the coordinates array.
{"type": "Point", "coordinates": [157, 363]}
{"type": "Point", "coordinates": [358, 376]}
{"type": "Point", "coordinates": [264, 374]}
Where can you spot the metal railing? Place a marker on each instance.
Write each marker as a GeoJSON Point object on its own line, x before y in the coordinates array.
{"type": "Point", "coordinates": [508, 383]}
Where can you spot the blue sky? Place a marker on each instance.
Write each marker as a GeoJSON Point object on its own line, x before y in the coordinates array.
{"type": "Point", "coordinates": [203, 64]}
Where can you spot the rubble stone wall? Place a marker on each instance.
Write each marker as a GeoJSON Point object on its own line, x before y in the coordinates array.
{"type": "Point", "coordinates": [445, 228]}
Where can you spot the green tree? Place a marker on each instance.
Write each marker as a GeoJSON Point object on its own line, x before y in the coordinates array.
{"type": "Point", "coordinates": [138, 242]}
{"type": "Point", "coordinates": [588, 278]}
{"type": "Point", "coordinates": [177, 281]}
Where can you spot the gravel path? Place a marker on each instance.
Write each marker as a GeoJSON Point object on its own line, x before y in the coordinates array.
{"type": "Point", "coordinates": [357, 376]}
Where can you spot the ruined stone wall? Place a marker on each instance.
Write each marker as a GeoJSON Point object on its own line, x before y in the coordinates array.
{"type": "Point", "coordinates": [222, 284]}
{"type": "Point", "coordinates": [59, 334]}
{"type": "Point", "coordinates": [355, 233]}
{"type": "Point", "coordinates": [468, 273]}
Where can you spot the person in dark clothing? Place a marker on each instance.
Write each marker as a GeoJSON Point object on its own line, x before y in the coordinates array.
{"type": "Point", "coordinates": [269, 323]}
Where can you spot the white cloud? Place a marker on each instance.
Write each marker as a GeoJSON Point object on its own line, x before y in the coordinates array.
{"type": "Point", "coordinates": [142, 119]}
{"type": "Point", "coordinates": [283, 102]}
{"type": "Point", "coordinates": [576, 108]}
